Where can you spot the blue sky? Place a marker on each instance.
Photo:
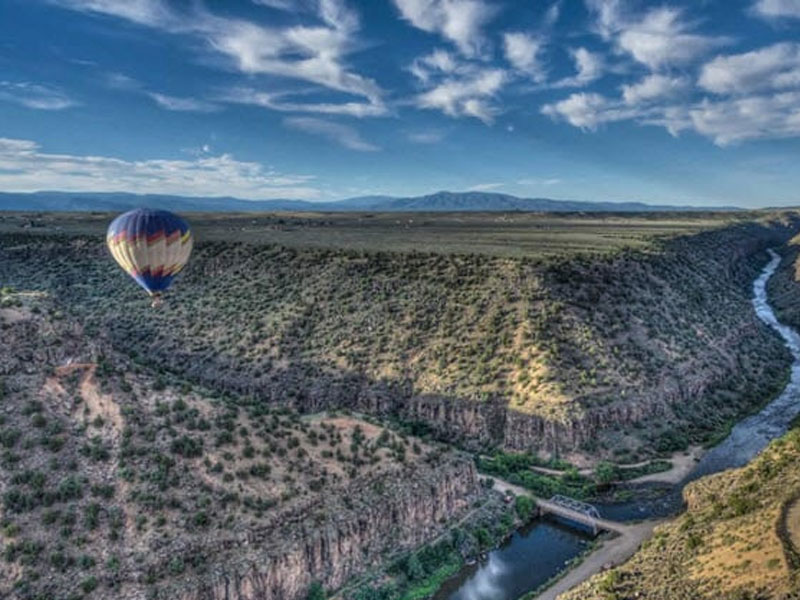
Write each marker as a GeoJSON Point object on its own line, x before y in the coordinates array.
{"type": "Point", "coordinates": [694, 102]}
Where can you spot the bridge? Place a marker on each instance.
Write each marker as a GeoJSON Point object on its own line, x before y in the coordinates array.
{"type": "Point", "coordinates": [566, 508]}
{"type": "Point", "coordinates": [579, 512]}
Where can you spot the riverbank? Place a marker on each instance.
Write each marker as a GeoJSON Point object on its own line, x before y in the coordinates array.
{"type": "Point", "coordinates": [657, 496]}
{"type": "Point", "coordinates": [745, 441]}
{"type": "Point", "coordinates": [611, 552]}
{"type": "Point", "coordinates": [682, 464]}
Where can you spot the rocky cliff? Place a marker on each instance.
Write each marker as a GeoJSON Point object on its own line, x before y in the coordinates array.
{"type": "Point", "coordinates": [588, 353]}
{"type": "Point", "coordinates": [119, 482]}
{"type": "Point", "coordinates": [282, 562]}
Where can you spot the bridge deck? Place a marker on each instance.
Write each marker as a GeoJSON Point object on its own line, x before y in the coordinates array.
{"type": "Point", "coordinates": [562, 511]}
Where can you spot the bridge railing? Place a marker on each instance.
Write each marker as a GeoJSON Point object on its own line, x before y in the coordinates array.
{"type": "Point", "coordinates": [583, 508]}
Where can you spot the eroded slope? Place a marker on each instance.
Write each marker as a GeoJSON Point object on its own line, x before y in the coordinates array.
{"type": "Point", "coordinates": [737, 540]}
{"type": "Point", "coordinates": [118, 482]}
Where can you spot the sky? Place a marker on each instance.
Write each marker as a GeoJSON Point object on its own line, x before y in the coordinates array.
{"type": "Point", "coordinates": [693, 102]}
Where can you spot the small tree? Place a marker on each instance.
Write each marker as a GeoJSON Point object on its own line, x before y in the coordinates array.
{"type": "Point", "coordinates": [414, 568]}
{"type": "Point", "coordinates": [605, 472]}
{"type": "Point", "coordinates": [524, 506]}
{"type": "Point", "coordinates": [315, 591]}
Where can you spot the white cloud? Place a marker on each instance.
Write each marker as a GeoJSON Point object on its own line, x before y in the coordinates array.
{"type": "Point", "coordinates": [522, 51]}
{"type": "Point", "coordinates": [588, 110]}
{"type": "Point", "coordinates": [25, 168]}
{"type": "Point", "coordinates": [775, 67]}
{"type": "Point", "coordinates": [457, 87]}
{"type": "Point", "coordinates": [589, 67]}
{"type": "Point", "coordinates": [757, 117]}
{"type": "Point", "coordinates": [438, 61]}
{"type": "Point", "coordinates": [607, 16]}
{"type": "Point", "coordinates": [471, 93]}
{"type": "Point", "coordinates": [425, 137]}
{"type": "Point", "coordinates": [459, 21]}
{"type": "Point", "coordinates": [777, 8]}
{"type": "Point", "coordinates": [32, 95]}
{"type": "Point", "coordinates": [120, 81]}
{"type": "Point", "coordinates": [485, 187]}
{"type": "Point", "coordinates": [182, 104]}
{"type": "Point", "coordinates": [539, 181]}
{"type": "Point", "coordinates": [312, 53]}
{"type": "Point", "coordinates": [725, 122]}
{"type": "Point", "coordinates": [655, 87]}
{"type": "Point", "coordinates": [153, 13]}
{"type": "Point", "coordinates": [344, 135]}
{"type": "Point", "coordinates": [288, 5]}
{"type": "Point", "coordinates": [552, 14]}
{"type": "Point", "coordinates": [659, 38]}
{"type": "Point", "coordinates": [281, 101]}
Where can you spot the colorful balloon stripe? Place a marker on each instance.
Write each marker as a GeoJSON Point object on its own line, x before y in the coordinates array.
{"type": "Point", "coordinates": [152, 246]}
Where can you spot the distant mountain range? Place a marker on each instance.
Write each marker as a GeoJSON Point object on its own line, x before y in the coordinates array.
{"type": "Point", "coordinates": [438, 202]}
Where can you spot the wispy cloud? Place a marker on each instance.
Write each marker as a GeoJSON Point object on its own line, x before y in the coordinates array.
{"type": "Point", "coordinates": [120, 81]}
{"type": "Point", "coordinates": [24, 167]}
{"type": "Point", "coordinates": [777, 8]}
{"type": "Point", "coordinates": [471, 94]}
{"type": "Point", "coordinates": [282, 101]}
{"type": "Point", "coordinates": [183, 104]}
{"type": "Point", "coordinates": [589, 67]}
{"type": "Point", "coordinates": [553, 14]}
{"type": "Point", "coordinates": [485, 187]}
{"type": "Point", "coordinates": [425, 137]}
{"type": "Point", "coordinates": [725, 121]}
{"type": "Point", "coordinates": [775, 67]}
{"type": "Point", "coordinates": [311, 53]}
{"type": "Point", "coordinates": [589, 110]}
{"type": "Point", "coordinates": [522, 50]}
{"type": "Point", "coordinates": [288, 5]}
{"type": "Point", "coordinates": [659, 38]}
{"type": "Point", "coordinates": [36, 96]}
{"type": "Point", "coordinates": [734, 98]}
{"type": "Point", "coordinates": [539, 181]}
{"type": "Point", "coordinates": [740, 119]}
{"type": "Point", "coordinates": [456, 87]}
{"type": "Point", "coordinates": [655, 87]}
{"type": "Point", "coordinates": [344, 135]}
{"type": "Point", "coordinates": [153, 13]}
{"type": "Point", "coordinates": [460, 21]}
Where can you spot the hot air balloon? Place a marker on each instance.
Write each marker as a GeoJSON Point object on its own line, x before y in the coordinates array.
{"type": "Point", "coordinates": [152, 246]}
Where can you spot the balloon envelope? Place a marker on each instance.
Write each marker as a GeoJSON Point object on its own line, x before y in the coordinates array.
{"type": "Point", "coordinates": [152, 246]}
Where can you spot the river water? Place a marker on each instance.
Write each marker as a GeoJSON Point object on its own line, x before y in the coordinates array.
{"type": "Point", "coordinates": [539, 551]}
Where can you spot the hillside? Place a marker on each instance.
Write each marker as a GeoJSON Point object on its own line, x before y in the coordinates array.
{"type": "Point", "coordinates": [624, 354]}
{"type": "Point", "coordinates": [438, 202]}
{"type": "Point", "coordinates": [739, 539]}
{"type": "Point", "coordinates": [117, 481]}
{"type": "Point", "coordinates": [783, 285]}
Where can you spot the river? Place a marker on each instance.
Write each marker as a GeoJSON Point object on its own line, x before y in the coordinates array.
{"type": "Point", "coordinates": [540, 551]}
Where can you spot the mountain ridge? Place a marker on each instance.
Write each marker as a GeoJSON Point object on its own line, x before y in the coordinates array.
{"type": "Point", "coordinates": [442, 201]}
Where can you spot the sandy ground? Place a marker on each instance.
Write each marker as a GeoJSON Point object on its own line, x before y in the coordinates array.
{"type": "Point", "coordinates": [682, 464]}
{"type": "Point", "coordinates": [10, 315]}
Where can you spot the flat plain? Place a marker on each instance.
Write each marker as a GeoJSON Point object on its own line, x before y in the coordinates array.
{"type": "Point", "coordinates": [503, 234]}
